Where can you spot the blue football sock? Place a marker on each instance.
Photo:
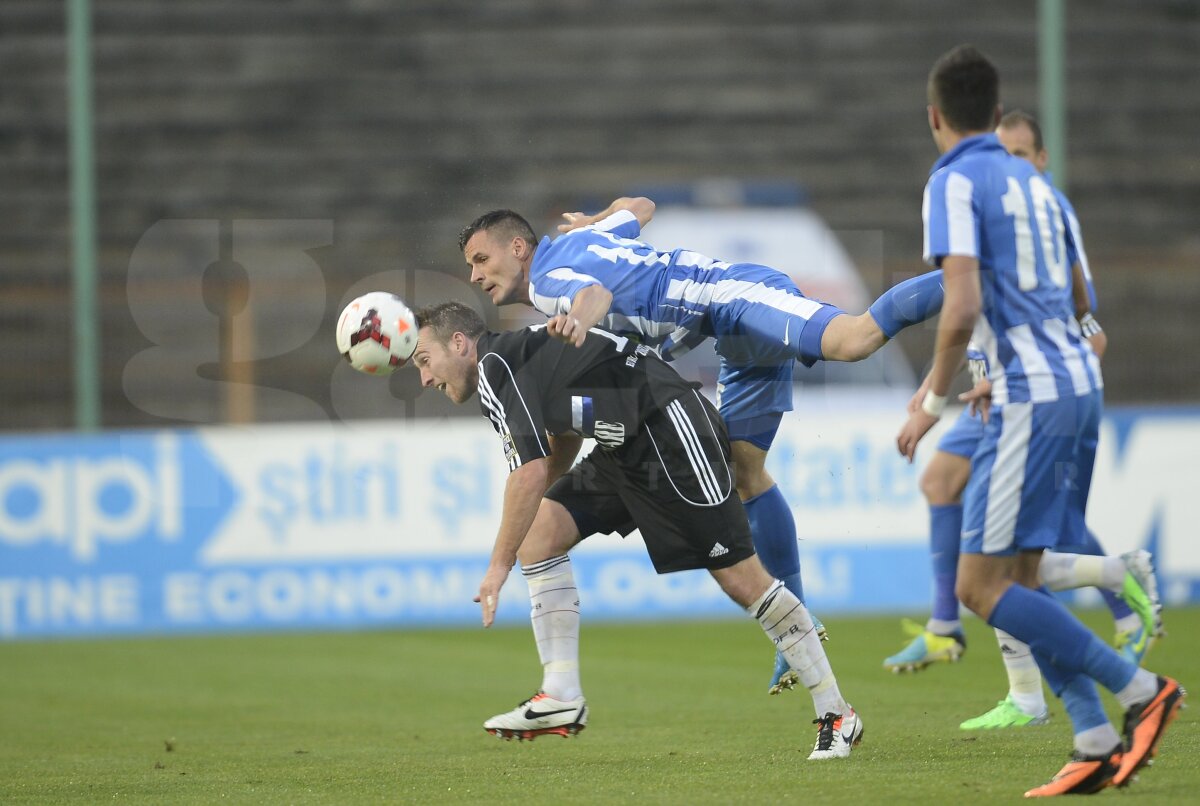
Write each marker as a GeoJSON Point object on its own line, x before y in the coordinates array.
{"type": "Point", "coordinates": [1059, 638]}
{"type": "Point", "coordinates": [909, 302]}
{"type": "Point", "coordinates": [1054, 677]}
{"type": "Point", "coordinates": [1108, 668]}
{"type": "Point", "coordinates": [945, 524]}
{"type": "Point", "coordinates": [1090, 545]}
{"type": "Point", "coordinates": [773, 529]}
{"type": "Point", "coordinates": [1083, 705]}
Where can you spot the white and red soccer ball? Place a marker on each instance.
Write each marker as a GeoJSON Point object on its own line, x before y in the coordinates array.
{"type": "Point", "coordinates": [377, 333]}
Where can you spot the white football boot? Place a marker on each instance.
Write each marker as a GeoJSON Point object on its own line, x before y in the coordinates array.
{"type": "Point", "coordinates": [538, 716]}
{"type": "Point", "coordinates": [836, 735]}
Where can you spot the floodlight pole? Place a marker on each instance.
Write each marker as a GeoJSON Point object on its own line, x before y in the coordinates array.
{"type": "Point", "coordinates": [1052, 48]}
{"type": "Point", "coordinates": [83, 215]}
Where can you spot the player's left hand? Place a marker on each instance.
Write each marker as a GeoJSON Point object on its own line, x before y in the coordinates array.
{"type": "Point", "coordinates": [918, 426]}
{"type": "Point", "coordinates": [979, 398]}
{"type": "Point", "coordinates": [567, 328]}
{"type": "Point", "coordinates": [489, 592]}
{"type": "Point", "coordinates": [914, 404]}
{"type": "Point", "coordinates": [574, 221]}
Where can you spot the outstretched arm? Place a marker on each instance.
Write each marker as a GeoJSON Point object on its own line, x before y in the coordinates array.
{"type": "Point", "coordinates": [522, 495]}
{"type": "Point", "coordinates": [641, 207]}
{"type": "Point", "coordinates": [959, 314]}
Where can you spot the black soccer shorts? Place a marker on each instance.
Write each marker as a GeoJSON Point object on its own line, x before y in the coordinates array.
{"type": "Point", "coordinates": [673, 481]}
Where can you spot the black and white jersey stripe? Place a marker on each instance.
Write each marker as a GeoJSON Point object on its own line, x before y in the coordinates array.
{"type": "Point", "coordinates": [495, 412]}
{"type": "Point", "coordinates": [695, 453]}
{"type": "Point", "coordinates": [703, 469]}
{"type": "Point", "coordinates": [492, 404]}
{"type": "Point", "coordinates": [499, 413]}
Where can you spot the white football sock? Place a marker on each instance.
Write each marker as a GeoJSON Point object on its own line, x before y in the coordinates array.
{"type": "Point", "coordinates": [1098, 740]}
{"type": "Point", "coordinates": [1140, 689]}
{"type": "Point", "coordinates": [554, 613]}
{"type": "Point", "coordinates": [1128, 623]}
{"type": "Point", "coordinates": [943, 627]}
{"type": "Point", "coordinates": [1060, 572]}
{"type": "Point", "coordinates": [1024, 677]}
{"type": "Point", "coordinates": [787, 623]}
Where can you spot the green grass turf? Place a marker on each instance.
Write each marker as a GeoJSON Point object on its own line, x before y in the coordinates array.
{"type": "Point", "coordinates": [680, 715]}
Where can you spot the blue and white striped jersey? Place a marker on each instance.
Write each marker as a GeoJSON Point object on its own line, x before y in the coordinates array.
{"type": "Point", "coordinates": [980, 202]}
{"type": "Point", "coordinates": [662, 297]}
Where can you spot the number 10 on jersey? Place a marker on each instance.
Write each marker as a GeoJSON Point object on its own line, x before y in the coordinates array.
{"type": "Point", "coordinates": [1048, 219]}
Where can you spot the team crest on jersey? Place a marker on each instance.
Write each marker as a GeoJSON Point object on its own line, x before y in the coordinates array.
{"type": "Point", "coordinates": [610, 435]}
{"type": "Point", "coordinates": [510, 450]}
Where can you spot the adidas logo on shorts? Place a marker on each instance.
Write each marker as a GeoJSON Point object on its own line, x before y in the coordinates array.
{"type": "Point", "coordinates": [718, 550]}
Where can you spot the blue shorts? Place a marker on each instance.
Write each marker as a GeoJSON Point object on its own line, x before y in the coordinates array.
{"type": "Point", "coordinates": [759, 431]}
{"type": "Point", "coordinates": [963, 437]}
{"type": "Point", "coordinates": [762, 327]}
{"type": "Point", "coordinates": [1030, 475]}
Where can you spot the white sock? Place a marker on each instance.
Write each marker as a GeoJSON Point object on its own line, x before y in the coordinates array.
{"type": "Point", "coordinates": [943, 627]}
{"type": "Point", "coordinates": [1024, 677]}
{"type": "Point", "coordinates": [789, 626]}
{"type": "Point", "coordinates": [1140, 689]}
{"type": "Point", "coordinates": [554, 613]}
{"type": "Point", "coordinates": [1098, 740]}
{"type": "Point", "coordinates": [1060, 572]}
{"type": "Point", "coordinates": [1128, 623]}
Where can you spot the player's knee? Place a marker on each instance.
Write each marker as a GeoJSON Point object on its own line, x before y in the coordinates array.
{"type": "Point", "coordinates": [968, 594]}
{"type": "Point", "coordinates": [743, 582]}
{"type": "Point", "coordinates": [945, 478]}
{"type": "Point", "coordinates": [748, 488]}
{"type": "Point", "coordinates": [735, 591]}
{"type": "Point", "coordinates": [750, 476]}
{"type": "Point", "coordinates": [938, 487]}
{"type": "Point", "coordinates": [552, 534]}
{"type": "Point", "coordinates": [979, 593]}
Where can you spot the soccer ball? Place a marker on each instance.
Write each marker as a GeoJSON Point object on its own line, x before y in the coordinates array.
{"type": "Point", "coordinates": [377, 333]}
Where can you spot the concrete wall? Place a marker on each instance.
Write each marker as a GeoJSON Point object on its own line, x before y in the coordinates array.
{"type": "Point", "coordinates": [399, 122]}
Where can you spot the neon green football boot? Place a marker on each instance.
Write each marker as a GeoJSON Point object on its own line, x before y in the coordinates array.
{"type": "Point", "coordinates": [1140, 592]}
{"type": "Point", "coordinates": [925, 649]}
{"type": "Point", "coordinates": [1006, 714]}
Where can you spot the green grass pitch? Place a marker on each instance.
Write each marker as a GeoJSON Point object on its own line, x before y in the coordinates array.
{"type": "Point", "coordinates": [679, 715]}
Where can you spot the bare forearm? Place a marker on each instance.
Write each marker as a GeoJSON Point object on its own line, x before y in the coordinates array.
{"type": "Point", "coordinates": [960, 311]}
{"type": "Point", "coordinates": [591, 305]}
{"type": "Point", "coordinates": [641, 207]}
{"type": "Point", "coordinates": [954, 332]}
{"type": "Point", "coordinates": [522, 495]}
{"type": "Point", "coordinates": [1079, 292]}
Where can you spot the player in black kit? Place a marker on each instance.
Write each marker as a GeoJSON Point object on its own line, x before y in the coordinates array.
{"type": "Point", "coordinates": [661, 465]}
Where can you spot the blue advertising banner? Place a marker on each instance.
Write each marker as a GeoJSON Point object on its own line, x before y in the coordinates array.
{"type": "Point", "coordinates": [382, 524]}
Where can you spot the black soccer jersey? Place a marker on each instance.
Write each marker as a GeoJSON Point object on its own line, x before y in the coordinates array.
{"type": "Point", "coordinates": [531, 384]}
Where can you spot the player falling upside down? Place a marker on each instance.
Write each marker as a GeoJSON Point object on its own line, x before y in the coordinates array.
{"type": "Point", "coordinates": [661, 465]}
{"type": "Point", "coordinates": [598, 272]}
{"type": "Point", "coordinates": [1127, 582]}
{"type": "Point", "coordinates": [993, 225]}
